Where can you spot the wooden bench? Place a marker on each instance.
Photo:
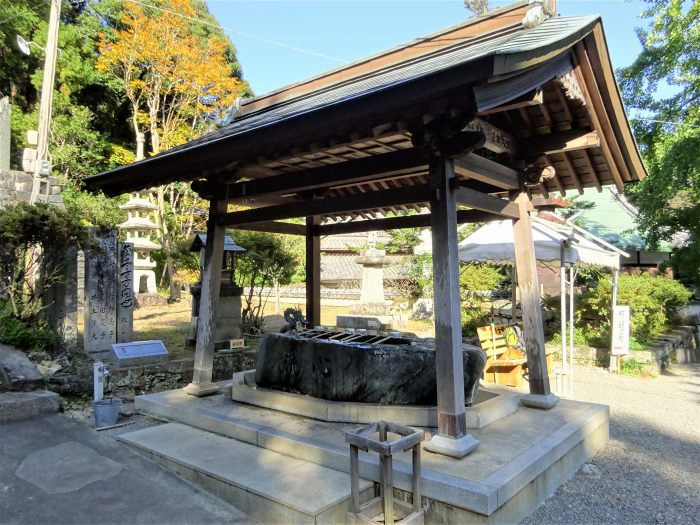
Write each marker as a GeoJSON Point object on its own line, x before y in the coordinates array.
{"type": "Point", "coordinates": [505, 363]}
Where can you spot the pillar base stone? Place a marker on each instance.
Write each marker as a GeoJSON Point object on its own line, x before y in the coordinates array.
{"type": "Point", "coordinates": [544, 402]}
{"type": "Point", "coordinates": [453, 447]}
{"type": "Point", "coordinates": [201, 390]}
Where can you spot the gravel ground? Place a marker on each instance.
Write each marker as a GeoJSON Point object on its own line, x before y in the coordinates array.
{"type": "Point", "coordinates": [649, 472]}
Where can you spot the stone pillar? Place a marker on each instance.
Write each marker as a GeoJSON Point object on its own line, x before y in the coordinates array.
{"type": "Point", "coordinates": [533, 333]}
{"type": "Point", "coordinates": [61, 301]}
{"type": "Point", "coordinates": [313, 272]}
{"type": "Point", "coordinates": [125, 295]}
{"type": "Point", "coordinates": [5, 133]}
{"type": "Point", "coordinates": [100, 331]}
{"type": "Point", "coordinates": [452, 438]}
{"type": "Point", "coordinates": [201, 384]}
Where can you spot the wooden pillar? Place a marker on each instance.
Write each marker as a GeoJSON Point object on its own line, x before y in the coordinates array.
{"type": "Point", "coordinates": [448, 324]}
{"type": "Point", "coordinates": [201, 384]}
{"type": "Point", "coordinates": [526, 266]}
{"type": "Point", "coordinates": [313, 271]}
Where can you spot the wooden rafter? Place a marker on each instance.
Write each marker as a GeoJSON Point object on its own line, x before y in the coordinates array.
{"type": "Point", "coordinates": [574, 174]}
{"type": "Point", "coordinates": [599, 117]}
{"type": "Point", "coordinates": [356, 171]}
{"type": "Point", "coordinates": [591, 168]}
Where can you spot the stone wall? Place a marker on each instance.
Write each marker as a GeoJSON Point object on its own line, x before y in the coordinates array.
{"type": "Point", "coordinates": [680, 345]}
{"type": "Point", "coordinates": [16, 186]}
{"type": "Point", "coordinates": [131, 381]}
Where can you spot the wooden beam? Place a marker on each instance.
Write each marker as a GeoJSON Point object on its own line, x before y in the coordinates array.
{"type": "Point", "coordinates": [202, 384]}
{"type": "Point", "coordinates": [360, 170]}
{"type": "Point", "coordinates": [364, 201]}
{"type": "Point", "coordinates": [526, 266]}
{"type": "Point", "coordinates": [313, 271]}
{"type": "Point", "coordinates": [449, 365]}
{"type": "Point", "coordinates": [497, 140]}
{"type": "Point", "coordinates": [481, 201]}
{"type": "Point", "coordinates": [560, 142]}
{"type": "Point", "coordinates": [533, 98]}
{"type": "Point", "coordinates": [599, 117]}
{"type": "Point", "coordinates": [409, 221]}
{"type": "Point", "coordinates": [484, 170]}
{"type": "Point", "coordinates": [285, 228]}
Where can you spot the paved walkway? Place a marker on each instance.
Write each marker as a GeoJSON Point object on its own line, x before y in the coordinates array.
{"type": "Point", "coordinates": [650, 470]}
{"type": "Point", "coordinates": [54, 470]}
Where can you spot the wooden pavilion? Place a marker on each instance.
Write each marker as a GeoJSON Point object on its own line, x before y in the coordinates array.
{"type": "Point", "coordinates": [469, 122]}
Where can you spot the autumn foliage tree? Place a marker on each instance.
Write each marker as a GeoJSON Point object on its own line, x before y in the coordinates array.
{"type": "Point", "coordinates": [179, 75]}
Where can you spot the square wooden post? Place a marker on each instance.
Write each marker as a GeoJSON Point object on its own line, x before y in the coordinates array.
{"type": "Point", "coordinates": [202, 384]}
{"type": "Point", "coordinates": [452, 438]}
{"type": "Point", "coordinates": [533, 333]}
{"type": "Point", "coordinates": [313, 271]}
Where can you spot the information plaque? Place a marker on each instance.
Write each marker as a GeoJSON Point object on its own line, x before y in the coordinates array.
{"type": "Point", "coordinates": [139, 353]}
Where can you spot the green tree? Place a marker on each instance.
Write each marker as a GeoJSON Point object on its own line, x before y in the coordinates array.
{"type": "Point", "coordinates": [662, 88]}
{"type": "Point", "coordinates": [268, 261]}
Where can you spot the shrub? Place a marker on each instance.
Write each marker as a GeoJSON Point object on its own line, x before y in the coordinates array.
{"type": "Point", "coordinates": [17, 333]}
{"type": "Point", "coordinates": [652, 300]}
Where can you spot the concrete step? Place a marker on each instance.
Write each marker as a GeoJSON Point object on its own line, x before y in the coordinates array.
{"type": "Point", "coordinates": [269, 486]}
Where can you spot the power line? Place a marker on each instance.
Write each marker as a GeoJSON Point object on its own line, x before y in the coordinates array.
{"type": "Point", "coordinates": [242, 33]}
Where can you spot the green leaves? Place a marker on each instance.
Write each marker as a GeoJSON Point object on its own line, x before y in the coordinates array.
{"type": "Point", "coordinates": [662, 88]}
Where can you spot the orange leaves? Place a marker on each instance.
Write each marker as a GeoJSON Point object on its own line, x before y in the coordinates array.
{"type": "Point", "coordinates": [172, 71]}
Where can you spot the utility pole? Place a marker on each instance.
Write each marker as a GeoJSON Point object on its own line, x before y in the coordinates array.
{"type": "Point", "coordinates": [42, 168]}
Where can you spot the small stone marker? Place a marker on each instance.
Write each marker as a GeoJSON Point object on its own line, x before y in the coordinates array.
{"type": "Point", "coordinates": [139, 353]}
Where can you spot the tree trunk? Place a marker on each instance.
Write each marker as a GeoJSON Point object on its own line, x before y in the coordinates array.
{"type": "Point", "coordinates": [166, 240]}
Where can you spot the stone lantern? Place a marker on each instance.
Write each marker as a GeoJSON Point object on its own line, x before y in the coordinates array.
{"type": "Point", "coordinates": [229, 323]}
{"type": "Point", "coordinates": [138, 227]}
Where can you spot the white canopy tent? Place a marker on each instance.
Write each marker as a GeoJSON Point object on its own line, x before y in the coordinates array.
{"type": "Point", "coordinates": [567, 244]}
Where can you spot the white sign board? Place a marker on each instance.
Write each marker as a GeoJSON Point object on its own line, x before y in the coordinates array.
{"type": "Point", "coordinates": [621, 330]}
{"type": "Point", "coordinates": [139, 353]}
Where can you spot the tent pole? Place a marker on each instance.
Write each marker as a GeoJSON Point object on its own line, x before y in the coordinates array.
{"type": "Point", "coordinates": [562, 315]}
{"type": "Point", "coordinates": [514, 294]}
{"type": "Point", "coordinates": [572, 278]}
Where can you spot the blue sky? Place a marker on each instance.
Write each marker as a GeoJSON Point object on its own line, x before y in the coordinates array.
{"type": "Point", "coordinates": [281, 42]}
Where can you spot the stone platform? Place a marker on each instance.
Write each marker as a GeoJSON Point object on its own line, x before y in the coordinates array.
{"type": "Point", "coordinates": [522, 459]}
{"type": "Point", "coordinates": [489, 406]}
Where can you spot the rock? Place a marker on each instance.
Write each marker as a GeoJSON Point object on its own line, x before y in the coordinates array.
{"type": "Point", "coordinates": [150, 299]}
{"type": "Point", "coordinates": [48, 368]}
{"type": "Point", "coordinates": [400, 374]}
{"type": "Point", "coordinates": [17, 372]}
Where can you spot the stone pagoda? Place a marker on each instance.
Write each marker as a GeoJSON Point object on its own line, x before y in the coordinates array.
{"type": "Point", "coordinates": [138, 227]}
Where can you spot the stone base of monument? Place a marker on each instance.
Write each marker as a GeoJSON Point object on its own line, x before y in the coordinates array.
{"type": "Point", "coordinates": [290, 463]}
{"type": "Point", "coordinates": [490, 405]}
{"type": "Point", "coordinates": [367, 322]}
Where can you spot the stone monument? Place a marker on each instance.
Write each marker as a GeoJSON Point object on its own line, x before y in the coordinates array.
{"type": "Point", "coordinates": [372, 312]}
{"type": "Point", "coordinates": [138, 227]}
{"type": "Point", "coordinates": [108, 309]}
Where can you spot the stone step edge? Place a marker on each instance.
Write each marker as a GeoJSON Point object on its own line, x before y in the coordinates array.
{"type": "Point", "coordinates": [165, 457]}
{"type": "Point", "coordinates": [18, 406]}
